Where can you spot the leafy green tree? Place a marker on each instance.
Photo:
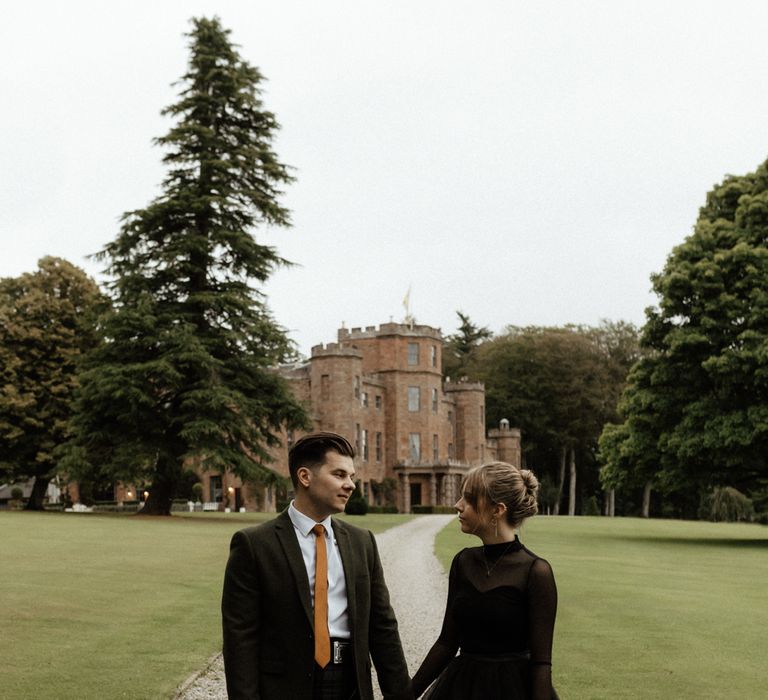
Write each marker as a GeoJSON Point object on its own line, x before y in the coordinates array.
{"type": "Point", "coordinates": [186, 369]}
{"type": "Point", "coordinates": [560, 386]}
{"type": "Point", "coordinates": [460, 347]}
{"type": "Point", "coordinates": [618, 342]}
{"type": "Point", "coordinates": [47, 322]}
{"type": "Point", "coordinates": [699, 402]}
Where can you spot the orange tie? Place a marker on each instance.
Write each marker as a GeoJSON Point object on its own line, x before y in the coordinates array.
{"type": "Point", "coordinates": [322, 638]}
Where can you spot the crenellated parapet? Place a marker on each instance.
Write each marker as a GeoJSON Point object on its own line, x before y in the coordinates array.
{"type": "Point", "coordinates": [335, 350]}
{"type": "Point", "coordinates": [383, 329]}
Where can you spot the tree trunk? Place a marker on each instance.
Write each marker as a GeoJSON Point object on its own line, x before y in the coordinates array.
{"type": "Point", "coordinates": [572, 485]}
{"type": "Point", "coordinates": [647, 499]}
{"type": "Point", "coordinates": [612, 503]}
{"type": "Point", "coordinates": [606, 502]}
{"type": "Point", "coordinates": [561, 482]}
{"type": "Point", "coordinates": [163, 487]}
{"type": "Point", "coordinates": [37, 496]}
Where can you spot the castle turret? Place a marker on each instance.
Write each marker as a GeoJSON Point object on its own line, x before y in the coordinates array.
{"type": "Point", "coordinates": [506, 442]}
{"type": "Point", "coordinates": [335, 387]}
{"type": "Point", "coordinates": [469, 399]}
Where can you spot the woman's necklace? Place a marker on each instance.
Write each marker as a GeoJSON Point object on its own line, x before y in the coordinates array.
{"type": "Point", "coordinates": [488, 569]}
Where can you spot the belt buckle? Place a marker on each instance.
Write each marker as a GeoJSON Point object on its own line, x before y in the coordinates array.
{"type": "Point", "coordinates": [338, 655]}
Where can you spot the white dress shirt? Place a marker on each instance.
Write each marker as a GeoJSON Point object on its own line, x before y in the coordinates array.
{"type": "Point", "coordinates": [338, 619]}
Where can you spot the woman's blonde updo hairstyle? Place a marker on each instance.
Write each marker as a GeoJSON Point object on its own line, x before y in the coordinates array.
{"type": "Point", "coordinates": [499, 482]}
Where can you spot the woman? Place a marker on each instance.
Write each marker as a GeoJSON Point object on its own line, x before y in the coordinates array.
{"type": "Point", "coordinates": [502, 600]}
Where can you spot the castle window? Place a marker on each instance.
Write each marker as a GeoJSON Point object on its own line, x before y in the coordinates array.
{"type": "Point", "coordinates": [325, 387]}
{"type": "Point", "coordinates": [434, 400]}
{"type": "Point", "coordinates": [435, 450]}
{"type": "Point", "coordinates": [413, 353]}
{"type": "Point", "coordinates": [450, 450]}
{"type": "Point", "coordinates": [414, 395]}
{"type": "Point", "coordinates": [378, 402]}
{"type": "Point", "coordinates": [364, 441]}
{"type": "Point", "coordinates": [433, 355]}
{"type": "Point", "coordinates": [378, 447]}
{"type": "Point", "coordinates": [364, 399]}
{"type": "Point", "coordinates": [216, 491]}
{"type": "Point", "coordinates": [357, 438]}
{"type": "Point", "coordinates": [414, 446]}
{"type": "Point", "coordinates": [357, 387]}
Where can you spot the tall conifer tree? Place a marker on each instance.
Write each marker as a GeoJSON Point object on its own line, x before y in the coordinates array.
{"type": "Point", "coordinates": [185, 371]}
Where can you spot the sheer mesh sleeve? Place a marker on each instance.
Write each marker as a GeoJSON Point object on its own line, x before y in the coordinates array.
{"type": "Point", "coordinates": [444, 649]}
{"type": "Point", "coordinates": [542, 596]}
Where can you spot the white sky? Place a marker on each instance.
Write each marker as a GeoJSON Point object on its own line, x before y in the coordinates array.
{"type": "Point", "coordinates": [526, 162]}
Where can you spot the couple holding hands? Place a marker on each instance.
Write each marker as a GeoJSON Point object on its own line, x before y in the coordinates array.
{"type": "Point", "coordinates": [305, 607]}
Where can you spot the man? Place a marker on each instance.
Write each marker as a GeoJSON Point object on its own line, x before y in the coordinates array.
{"type": "Point", "coordinates": [305, 604]}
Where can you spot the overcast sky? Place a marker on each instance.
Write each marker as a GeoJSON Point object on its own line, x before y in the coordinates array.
{"type": "Point", "coordinates": [526, 162]}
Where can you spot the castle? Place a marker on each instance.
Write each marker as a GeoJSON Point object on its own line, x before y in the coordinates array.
{"type": "Point", "coordinates": [415, 432]}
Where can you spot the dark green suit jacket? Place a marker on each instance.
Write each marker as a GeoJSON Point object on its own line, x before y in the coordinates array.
{"type": "Point", "coordinates": [267, 615]}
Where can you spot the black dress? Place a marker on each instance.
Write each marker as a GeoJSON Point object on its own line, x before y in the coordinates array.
{"type": "Point", "coordinates": [501, 609]}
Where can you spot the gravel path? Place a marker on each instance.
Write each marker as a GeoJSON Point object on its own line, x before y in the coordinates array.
{"type": "Point", "coordinates": [417, 586]}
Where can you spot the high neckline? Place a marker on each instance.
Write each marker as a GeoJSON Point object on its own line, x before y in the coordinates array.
{"type": "Point", "coordinates": [501, 547]}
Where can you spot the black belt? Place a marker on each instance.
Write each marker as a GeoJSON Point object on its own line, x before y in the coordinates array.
{"type": "Point", "coordinates": [341, 651]}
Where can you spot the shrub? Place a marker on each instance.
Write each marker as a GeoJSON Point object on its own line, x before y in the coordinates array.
{"type": "Point", "coordinates": [357, 505]}
{"type": "Point", "coordinates": [591, 507]}
{"type": "Point", "coordinates": [726, 504]}
{"type": "Point", "coordinates": [197, 491]}
{"type": "Point", "coordinates": [17, 493]}
{"type": "Point", "coordinates": [759, 497]}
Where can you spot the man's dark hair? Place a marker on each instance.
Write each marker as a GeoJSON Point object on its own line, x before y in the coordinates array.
{"type": "Point", "coordinates": [309, 451]}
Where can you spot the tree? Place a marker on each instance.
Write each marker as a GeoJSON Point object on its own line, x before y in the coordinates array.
{"type": "Point", "coordinates": [726, 504]}
{"type": "Point", "coordinates": [186, 369]}
{"type": "Point", "coordinates": [560, 386]}
{"type": "Point", "coordinates": [697, 405]}
{"type": "Point", "coordinates": [47, 322]}
{"type": "Point", "coordinates": [628, 461]}
{"type": "Point", "coordinates": [460, 347]}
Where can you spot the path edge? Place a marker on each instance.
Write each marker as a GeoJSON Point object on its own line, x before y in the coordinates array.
{"type": "Point", "coordinates": [178, 694]}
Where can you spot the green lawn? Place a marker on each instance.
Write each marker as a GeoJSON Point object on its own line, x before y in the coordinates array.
{"type": "Point", "coordinates": [126, 607]}
{"type": "Point", "coordinates": [652, 608]}
{"type": "Point", "coordinates": [113, 606]}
